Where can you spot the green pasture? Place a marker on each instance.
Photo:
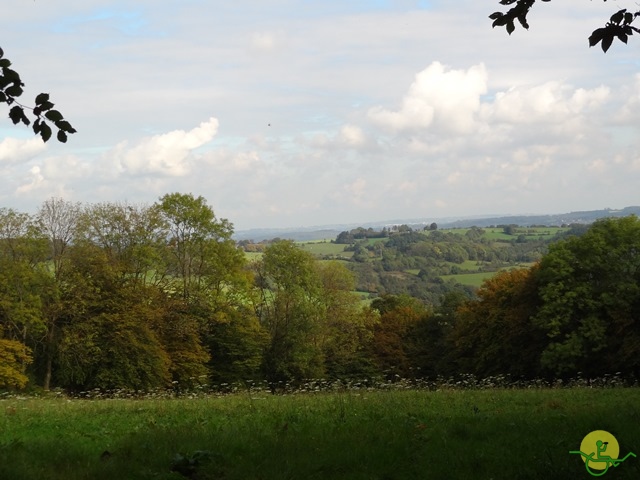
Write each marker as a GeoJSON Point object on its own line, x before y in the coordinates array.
{"type": "Point", "coordinates": [253, 256]}
{"type": "Point", "coordinates": [326, 248]}
{"type": "Point", "coordinates": [358, 434]}
{"type": "Point", "coordinates": [497, 234]}
{"type": "Point", "coordinates": [373, 241]}
{"type": "Point", "coordinates": [471, 279]}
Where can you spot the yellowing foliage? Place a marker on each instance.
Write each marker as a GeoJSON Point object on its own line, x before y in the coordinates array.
{"type": "Point", "coordinates": [14, 356]}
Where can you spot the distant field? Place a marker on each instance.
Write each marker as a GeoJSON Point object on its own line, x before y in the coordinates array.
{"type": "Point", "coordinates": [250, 256]}
{"type": "Point", "coordinates": [373, 241]}
{"type": "Point", "coordinates": [322, 248]}
{"type": "Point", "coordinates": [534, 233]}
{"type": "Point", "coordinates": [471, 279]}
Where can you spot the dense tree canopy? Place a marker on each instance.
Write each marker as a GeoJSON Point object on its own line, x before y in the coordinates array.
{"type": "Point", "coordinates": [114, 295]}
{"type": "Point", "coordinates": [619, 26]}
{"type": "Point", "coordinates": [590, 300]}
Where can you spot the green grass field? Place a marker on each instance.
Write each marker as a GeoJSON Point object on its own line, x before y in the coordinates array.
{"type": "Point", "coordinates": [535, 233]}
{"type": "Point", "coordinates": [253, 256]}
{"type": "Point", "coordinates": [413, 434]}
{"type": "Point", "coordinates": [471, 279]}
{"type": "Point", "coordinates": [322, 248]}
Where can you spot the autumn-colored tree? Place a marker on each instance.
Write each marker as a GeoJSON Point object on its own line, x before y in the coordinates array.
{"type": "Point", "coordinates": [494, 334]}
{"type": "Point", "coordinates": [14, 356]}
{"type": "Point", "coordinates": [392, 343]}
{"type": "Point", "coordinates": [107, 339]}
{"type": "Point", "coordinates": [23, 277]}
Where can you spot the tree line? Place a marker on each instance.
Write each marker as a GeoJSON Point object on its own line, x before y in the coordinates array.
{"type": "Point", "coordinates": [115, 295]}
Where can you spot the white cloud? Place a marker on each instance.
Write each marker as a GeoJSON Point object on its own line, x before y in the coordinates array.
{"type": "Point", "coordinates": [352, 136]}
{"type": "Point", "coordinates": [332, 111]}
{"type": "Point", "coordinates": [35, 181]}
{"type": "Point", "coordinates": [439, 98]}
{"type": "Point", "coordinates": [13, 150]}
{"type": "Point", "coordinates": [165, 154]}
{"type": "Point", "coordinates": [551, 102]}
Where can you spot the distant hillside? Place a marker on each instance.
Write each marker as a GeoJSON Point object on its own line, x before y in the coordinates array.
{"type": "Point", "coordinates": [549, 220]}
{"type": "Point", "coordinates": [331, 231]}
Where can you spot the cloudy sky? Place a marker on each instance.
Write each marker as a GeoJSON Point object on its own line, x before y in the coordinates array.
{"type": "Point", "coordinates": [309, 112]}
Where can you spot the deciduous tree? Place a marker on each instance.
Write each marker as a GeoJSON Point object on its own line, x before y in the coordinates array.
{"type": "Point", "coordinates": [494, 334]}
{"type": "Point", "coordinates": [291, 310]}
{"type": "Point", "coordinates": [590, 289]}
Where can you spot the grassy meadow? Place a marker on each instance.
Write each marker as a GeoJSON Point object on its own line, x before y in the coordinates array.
{"type": "Point", "coordinates": [532, 233]}
{"type": "Point", "coordinates": [471, 279]}
{"type": "Point", "coordinates": [325, 248]}
{"type": "Point", "coordinates": [353, 434]}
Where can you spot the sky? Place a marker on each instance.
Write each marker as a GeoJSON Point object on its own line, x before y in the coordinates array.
{"type": "Point", "coordinates": [285, 113]}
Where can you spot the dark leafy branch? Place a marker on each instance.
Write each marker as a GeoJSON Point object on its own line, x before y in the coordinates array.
{"type": "Point", "coordinates": [619, 25]}
{"type": "Point", "coordinates": [11, 88]}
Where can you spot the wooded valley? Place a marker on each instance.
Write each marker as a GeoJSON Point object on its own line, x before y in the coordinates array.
{"type": "Point", "coordinates": [118, 296]}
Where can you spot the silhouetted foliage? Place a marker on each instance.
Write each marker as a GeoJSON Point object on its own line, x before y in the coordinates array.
{"type": "Point", "coordinates": [619, 25]}
{"type": "Point", "coordinates": [11, 88]}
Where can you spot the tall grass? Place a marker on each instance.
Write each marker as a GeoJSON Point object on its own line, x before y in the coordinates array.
{"type": "Point", "coordinates": [352, 433]}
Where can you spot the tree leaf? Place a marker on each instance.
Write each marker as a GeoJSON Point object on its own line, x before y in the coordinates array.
{"type": "Point", "coordinates": [62, 137]}
{"type": "Point", "coordinates": [510, 27]}
{"type": "Point", "coordinates": [46, 105]}
{"type": "Point", "coordinates": [66, 126]}
{"type": "Point", "coordinates": [3, 97]}
{"type": "Point", "coordinates": [15, 114]}
{"type": "Point", "coordinates": [14, 90]}
{"type": "Point", "coordinates": [596, 36]}
{"type": "Point", "coordinates": [54, 115]}
{"type": "Point", "coordinates": [618, 16]}
{"type": "Point", "coordinates": [45, 132]}
{"type": "Point", "coordinates": [606, 42]}
{"type": "Point", "coordinates": [25, 119]}
{"type": "Point", "coordinates": [43, 97]}
{"type": "Point", "coordinates": [500, 21]}
{"type": "Point", "coordinates": [523, 21]}
{"type": "Point", "coordinates": [11, 76]}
